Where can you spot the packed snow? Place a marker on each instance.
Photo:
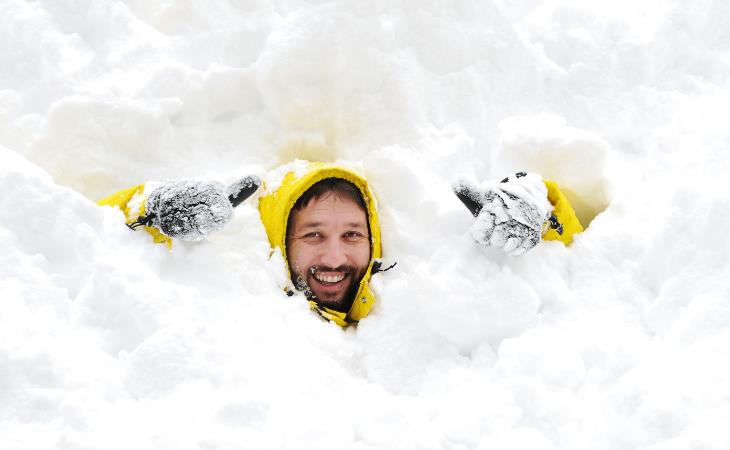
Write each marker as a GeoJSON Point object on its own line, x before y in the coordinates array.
{"type": "Point", "coordinates": [620, 341]}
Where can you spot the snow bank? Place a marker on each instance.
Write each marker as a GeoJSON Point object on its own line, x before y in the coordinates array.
{"type": "Point", "coordinates": [620, 341]}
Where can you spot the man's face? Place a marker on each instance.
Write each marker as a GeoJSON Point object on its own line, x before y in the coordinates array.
{"type": "Point", "coordinates": [328, 248]}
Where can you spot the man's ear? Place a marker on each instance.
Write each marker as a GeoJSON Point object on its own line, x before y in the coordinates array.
{"type": "Point", "coordinates": [469, 196]}
{"type": "Point", "coordinates": [243, 189]}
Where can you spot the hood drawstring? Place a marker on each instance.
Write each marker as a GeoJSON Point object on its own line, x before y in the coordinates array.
{"type": "Point", "coordinates": [555, 225]}
{"type": "Point", "coordinates": [377, 267]}
{"type": "Point", "coordinates": [142, 221]}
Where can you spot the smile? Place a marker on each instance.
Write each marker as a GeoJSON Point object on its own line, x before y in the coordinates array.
{"type": "Point", "coordinates": [334, 278]}
{"type": "Point", "coordinates": [327, 277]}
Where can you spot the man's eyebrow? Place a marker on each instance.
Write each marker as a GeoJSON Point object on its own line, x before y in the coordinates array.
{"type": "Point", "coordinates": [311, 224]}
{"type": "Point", "coordinates": [356, 224]}
{"type": "Point", "coordinates": [316, 224]}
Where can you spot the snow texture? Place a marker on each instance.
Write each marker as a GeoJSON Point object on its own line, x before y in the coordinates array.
{"type": "Point", "coordinates": [188, 210]}
{"type": "Point", "coordinates": [620, 341]}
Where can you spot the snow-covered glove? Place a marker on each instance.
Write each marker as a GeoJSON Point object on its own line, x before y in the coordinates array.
{"type": "Point", "coordinates": [190, 210]}
{"type": "Point", "coordinates": [509, 214]}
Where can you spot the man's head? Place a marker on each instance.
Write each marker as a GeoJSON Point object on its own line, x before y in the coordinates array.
{"type": "Point", "coordinates": [328, 242]}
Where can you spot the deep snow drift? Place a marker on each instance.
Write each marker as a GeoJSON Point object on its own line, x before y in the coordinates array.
{"type": "Point", "coordinates": [620, 341]}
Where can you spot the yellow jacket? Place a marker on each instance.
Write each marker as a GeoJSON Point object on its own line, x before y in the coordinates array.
{"type": "Point", "coordinates": [566, 223]}
{"type": "Point", "coordinates": [132, 203]}
{"type": "Point", "coordinates": [277, 201]}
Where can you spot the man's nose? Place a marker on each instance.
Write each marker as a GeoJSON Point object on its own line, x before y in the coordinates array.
{"type": "Point", "coordinates": [334, 254]}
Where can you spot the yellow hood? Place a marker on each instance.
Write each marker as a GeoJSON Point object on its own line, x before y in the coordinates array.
{"type": "Point", "coordinates": [276, 203]}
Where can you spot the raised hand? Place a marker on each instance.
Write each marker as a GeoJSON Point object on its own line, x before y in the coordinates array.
{"type": "Point", "coordinates": [509, 214]}
{"type": "Point", "coordinates": [190, 210]}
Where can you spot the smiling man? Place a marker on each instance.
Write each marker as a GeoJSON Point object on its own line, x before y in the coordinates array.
{"type": "Point", "coordinates": [328, 242]}
{"type": "Point", "coordinates": [323, 219]}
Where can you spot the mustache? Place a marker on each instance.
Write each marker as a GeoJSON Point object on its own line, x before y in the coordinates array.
{"type": "Point", "coordinates": [343, 268]}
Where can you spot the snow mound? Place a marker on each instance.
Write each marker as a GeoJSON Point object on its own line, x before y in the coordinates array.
{"type": "Point", "coordinates": [620, 341]}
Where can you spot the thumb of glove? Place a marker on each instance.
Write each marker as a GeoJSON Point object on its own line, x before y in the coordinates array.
{"type": "Point", "coordinates": [470, 196]}
{"type": "Point", "coordinates": [242, 189]}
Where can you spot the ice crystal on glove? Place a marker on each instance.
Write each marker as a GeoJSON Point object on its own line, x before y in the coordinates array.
{"type": "Point", "coordinates": [190, 210]}
{"type": "Point", "coordinates": [509, 214]}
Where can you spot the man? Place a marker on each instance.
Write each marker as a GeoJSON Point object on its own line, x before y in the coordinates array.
{"type": "Point", "coordinates": [323, 219]}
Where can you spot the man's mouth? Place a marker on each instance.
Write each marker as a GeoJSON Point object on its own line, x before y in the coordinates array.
{"type": "Point", "coordinates": [327, 277]}
{"type": "Point", "coordinates": [322, 278]}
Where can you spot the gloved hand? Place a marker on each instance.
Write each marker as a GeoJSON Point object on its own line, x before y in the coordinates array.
{"type": "Point", "coordinates": [509, 214]}
{"type": "Point", "coordinates": [190, 210]}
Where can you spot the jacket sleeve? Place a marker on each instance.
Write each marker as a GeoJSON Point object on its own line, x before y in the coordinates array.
{"type": "Point", "coordinates": [131, 202]}
{"type": "Point", "coordinates": [564, 224]}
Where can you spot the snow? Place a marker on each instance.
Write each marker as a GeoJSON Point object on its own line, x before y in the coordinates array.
{"type": "Point", "coordinates": [620, 341]}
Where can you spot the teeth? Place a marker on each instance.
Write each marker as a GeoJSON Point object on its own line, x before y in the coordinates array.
{"type": "Point", "coordinates": [329, 278]}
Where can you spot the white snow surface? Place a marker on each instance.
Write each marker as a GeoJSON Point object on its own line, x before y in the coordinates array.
{"type": "Point", "coordinates": [620, 341]}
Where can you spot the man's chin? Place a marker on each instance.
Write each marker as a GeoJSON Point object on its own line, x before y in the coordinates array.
{"type": "Point", "coordinates": [328, 294]}
{"type": "Point", "coordinates": [337, 296]}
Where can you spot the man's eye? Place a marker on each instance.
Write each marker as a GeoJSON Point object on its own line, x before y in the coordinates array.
{"type": "Point", "coordinates": [313, 236]}
{"type": "Point", "coordinates": [353, 236]}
